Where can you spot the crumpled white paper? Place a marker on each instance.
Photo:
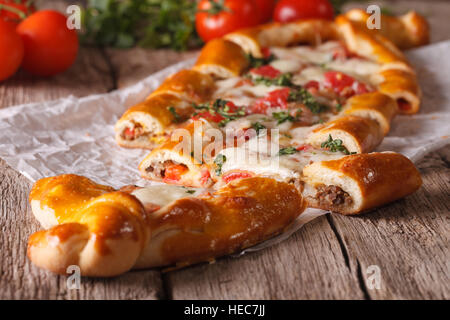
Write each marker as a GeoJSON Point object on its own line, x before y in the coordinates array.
{"type": "Point", "coordinates": [76, 135]}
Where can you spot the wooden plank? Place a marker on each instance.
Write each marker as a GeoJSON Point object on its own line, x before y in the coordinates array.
{"type": "Point", "coordinates": [89, 74]}
{"type": "Point", "coordinates": [329, 257]}
{"type": "Point", "coordinates": [407, 240]}
{"type": "Point", "coordinates": [19, 279]}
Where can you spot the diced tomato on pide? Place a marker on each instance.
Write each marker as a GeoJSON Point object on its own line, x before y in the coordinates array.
{"type": "Point", "coordinates": [266, 71]}
{"type": "Point", "coordinates": [235, 175]}
{"type": "Point", "coordinates": [344, 84]}
{"type": "Point", "coordinates": [403, 105]}
{"type": "Point", "coordinates": [266, 52]}
{"type": "Point", "coordinates": [174, 172]}
{"type": "Point", "coordinates": [276, 98]}
{"type": "Point", "coordinates": [205, 175]}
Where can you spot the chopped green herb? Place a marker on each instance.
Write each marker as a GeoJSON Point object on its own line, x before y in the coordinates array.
{"type": "Point", "coordinates": [335, 145]}
{"type": "Point", "coordinates": [282, 117]}
{"type": "Point", "coordinates": [190, 191]}
{"type": "Point", "coordinates": [302, 95]}
{"type": "Point", "coordinates": [339, 107]}
{"type": "Point", "coordinates": [151, 23]}
{"type": "Point", "coordinates": [287, 151]}
{"type": "Point", "coordinates": [219, 161]}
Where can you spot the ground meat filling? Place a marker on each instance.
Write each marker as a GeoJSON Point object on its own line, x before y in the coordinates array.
{"type": "Point", "coordinates": [330, 197]}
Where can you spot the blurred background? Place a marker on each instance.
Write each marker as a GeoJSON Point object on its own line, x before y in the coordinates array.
{"type": "Point", "coordinates": [123, 41]}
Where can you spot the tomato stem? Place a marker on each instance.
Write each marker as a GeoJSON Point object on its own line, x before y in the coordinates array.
{"type": "Point", "coordinates": [13, 10]}
{"type": "Point", "coordinates": [217, 6]}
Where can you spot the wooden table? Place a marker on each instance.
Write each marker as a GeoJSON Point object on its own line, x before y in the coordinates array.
{"type": "Point", "coordinates": [327, 259]}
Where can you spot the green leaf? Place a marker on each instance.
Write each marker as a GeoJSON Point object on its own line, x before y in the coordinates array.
{"type": "Point", "coordinates": [219, 161]}
{"type": "Point", "coordinates": [287, 151]}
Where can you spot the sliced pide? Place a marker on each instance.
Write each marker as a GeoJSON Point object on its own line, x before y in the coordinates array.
{"type": "Point", "coordinates": [190, 85]}
{"type": "Point", "coordinates": [356, 134]}
{"type": "Point", "coordinates": [221, 59]}
{"type": "Point", "coordinates": [373, 105]}
{"type": "Point", "coordinates": [406, 31]}
{"type": "Point", "coordinates": [358, 183]}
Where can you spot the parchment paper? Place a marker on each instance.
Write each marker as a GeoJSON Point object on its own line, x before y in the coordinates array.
{"type": "Point", "coordinates": [74, 135]}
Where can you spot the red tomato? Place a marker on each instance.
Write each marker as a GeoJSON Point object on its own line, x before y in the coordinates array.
{"type": "Point", "coordinates": [50, 47]}
{"type": "Point", "coordinates": [235, 175]}
{"type": "Point", "coordinates": [15, 10]}
{"type": "Point", "coordinates": [219, 21]}
{"type": "Point", "coordinates": [11, 50]}
{"type": "Point", "coordinates": [265, 8]}
{"type": "Point", "coordinates": [292, 10]}
{"type": "Point", "coordinates": [174, 172]}
{"type": "Point", "coordinates": [214, 117]}
{"type": "Point", "coordinates": [266, 71]}
{"type": "Point", "coordinates": [344, 84]}
{"type": "Point", "coordinates": [337, 80]}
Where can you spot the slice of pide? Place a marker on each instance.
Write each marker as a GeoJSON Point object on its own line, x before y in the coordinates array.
{"type": "Point", "coordinates": [221, 59]}
{"type": "Point", "coordinates": [402, 86]}
{"type": "Point", "coordinates": [358, 183]}
{"type": "Point", "coordinates": [255, 40]}
{"type": "Point", "coordinates": [373, 105]}
{"type": "Point", "coordinates": [189, 85]}
{"type": "Point", "coordinates": [106, 232]}
{"type": "Point", "coordinates": [356, 134]}
{"type": "Point", "coordinates": [149, 123]}
{"type": "Point", "coordinates": [407, 31]}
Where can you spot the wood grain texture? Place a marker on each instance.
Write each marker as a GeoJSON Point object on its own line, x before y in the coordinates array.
{"type": "Point", "coordinates": [90, 74]}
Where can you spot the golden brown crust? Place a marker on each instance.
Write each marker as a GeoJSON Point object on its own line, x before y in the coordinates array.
{"type": "Point", "coordinates": [406, 31]}
{"type": "Point", "coordinates": [222, 59]}
{"type": "Point", "coordinates": [180, 149]}
{"type": "Point", "coordinates": [372, 179]}
{"type": "Point", "coordinates": [358, 134]}
{"type": "Point", "coordinates": [106, 234]}
{"type": "Point", "coordinates": [189, 85]}
{"type": "Point", "coordinates": [373, 105]}
{"type": "Point", "coordinates": [237, 216]}
{"type": "Point", "coordinates": [371, 46]}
